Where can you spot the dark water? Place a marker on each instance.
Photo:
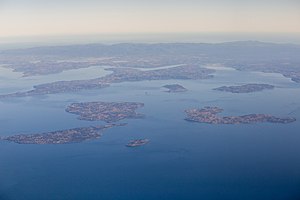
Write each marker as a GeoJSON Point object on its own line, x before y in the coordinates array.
{"type": "Point", "coordinates": [183, 160]}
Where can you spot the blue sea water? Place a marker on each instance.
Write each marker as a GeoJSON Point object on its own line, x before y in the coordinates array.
{"type": "Point", "coordinates": [183, 160]}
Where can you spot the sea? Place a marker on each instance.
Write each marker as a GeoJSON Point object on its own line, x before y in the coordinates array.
{"type": "Point", "coordinates": [183, 160]}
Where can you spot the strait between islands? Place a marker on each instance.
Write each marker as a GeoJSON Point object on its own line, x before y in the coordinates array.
{"type": "Point", "coordinates": [112, 111]}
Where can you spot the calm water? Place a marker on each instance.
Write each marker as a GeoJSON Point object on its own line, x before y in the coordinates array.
{"type": "Point", "coordinates": [184, 160]}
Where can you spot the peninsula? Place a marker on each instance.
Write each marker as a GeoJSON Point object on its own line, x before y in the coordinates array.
{"type": "Point", "coordinates": [74, 135]}
{"type": "Point", "coordinates": [210, 115]}
{"type": "Point", "coordinates": [105, 111]}
{"type": "Point", "coordinates": [247, 88]}
{"type": "Point", "coordinates": [119, 75]}
{"type": "Point", "coordinates": [175, 88]}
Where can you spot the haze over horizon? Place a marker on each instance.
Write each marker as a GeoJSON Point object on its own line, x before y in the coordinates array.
{"type": "Point", "coordinates": [65, 17]}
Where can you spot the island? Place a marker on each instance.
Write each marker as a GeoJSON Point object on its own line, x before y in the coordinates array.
{"type": "Point", "coordinates": [247, 88]}
{"type": "Point", "coordinates": [105, 111]}
{"type": "Point", "coordinates": [175, 88]}
{"type": "Point", "coordinates": [118, 75]}
{"type": "Point", "coordinates": [210, 115]}
{"type": "Point", "coordinates": [137, 143]}
{"type": "Point", "coordinates": [74, 135]}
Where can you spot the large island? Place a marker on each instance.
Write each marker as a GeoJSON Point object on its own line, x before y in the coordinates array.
{"type": "Point", "coordinates": [105, 111]}
{"type": "Point", "coordinates": [119, 75]}
{"type": "Point", "coordinates": [247, 88]}
{"type": "Point", "coordinates": [74, 135]}
{"type": "Point", "coordinates": [210, 115]}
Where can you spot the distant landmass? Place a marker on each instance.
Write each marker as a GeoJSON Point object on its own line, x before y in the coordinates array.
{"type": "Point", "coordinates": [210, 115]}
{"type": "Point", "coordinates": [243, 55]}
{"type": "Point", "coordinates": [247, 88]}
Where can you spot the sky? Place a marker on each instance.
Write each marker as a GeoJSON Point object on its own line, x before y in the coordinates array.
{"type": "Point", "coordinates": [75, 17]}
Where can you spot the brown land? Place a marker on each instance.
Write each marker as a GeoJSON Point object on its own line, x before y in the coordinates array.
{"type": "Point", "coordinates": [74, 135]}
{"type": "Point", "coordinates": [210, 115]}
{"type": "Point", "coordinates": [175, 88]}
{"type": "Point", "coordinates": [105, 111]}
{"type": "Point", "coordinates": [119, 75]}
{"type": "Point", "coordinates": [247, 88]}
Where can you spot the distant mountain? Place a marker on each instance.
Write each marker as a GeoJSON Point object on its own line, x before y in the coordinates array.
{"type": "Point", "coordinates": [129, 49]}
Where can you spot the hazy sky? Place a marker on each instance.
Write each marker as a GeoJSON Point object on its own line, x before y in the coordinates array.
{"type": "Point", "coordinates": [58, 17]}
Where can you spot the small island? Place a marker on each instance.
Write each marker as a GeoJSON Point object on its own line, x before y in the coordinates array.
{"type": "Point", "coordinates": [137, 143]}
{"type": "Point", "coordinates": [74, 135]}
{"type": "Point", "coordinates": [210, 115]}
{"type": "Point", "coordinates": [105, 111]}
{"type": "Point", "coordinates": [175, 88]}
{"type": "Point", "coordinates": [247, 88]}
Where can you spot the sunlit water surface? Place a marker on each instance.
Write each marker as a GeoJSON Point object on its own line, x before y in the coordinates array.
{"type": "Point", "coordinates": [183, 160]}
